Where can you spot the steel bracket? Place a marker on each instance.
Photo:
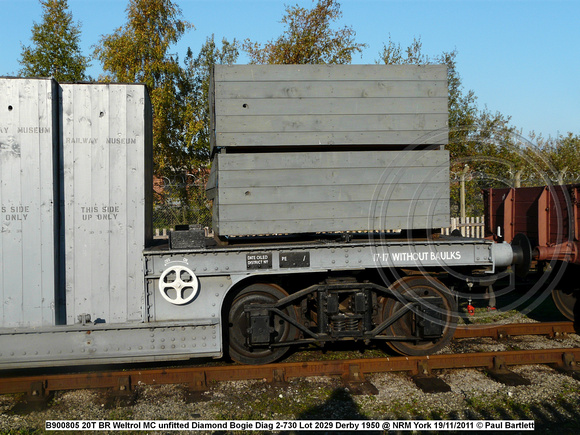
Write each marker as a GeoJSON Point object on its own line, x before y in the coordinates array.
{"type": "Point", "coordinates": [356, 383]}
{"type": "Point", "coordinates": [427, 382]}
{"type": "Point", "coordinates": [568, 365]}
{"type": "Point", "coordinates": [500, 373]}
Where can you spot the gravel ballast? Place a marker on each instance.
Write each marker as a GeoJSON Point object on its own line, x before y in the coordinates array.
{"type": "Point", "coordinates": [552, 399]}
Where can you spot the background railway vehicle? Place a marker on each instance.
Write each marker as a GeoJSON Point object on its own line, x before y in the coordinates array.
{"type": "Point", "coordinates": [326, 182]}
{"type": "Point", "coordinates": [549, 217]}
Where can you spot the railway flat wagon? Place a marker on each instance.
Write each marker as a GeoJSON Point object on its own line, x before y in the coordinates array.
{"type": "Point", "coordinates": [327, 184]}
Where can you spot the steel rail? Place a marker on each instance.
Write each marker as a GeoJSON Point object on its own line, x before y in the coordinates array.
{"type": "Point", "coordinates": [552, 329]}
{"type": "Point", "coordinates": [197, 378]}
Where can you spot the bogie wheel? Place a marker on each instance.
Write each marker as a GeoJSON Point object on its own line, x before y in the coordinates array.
{"type": "Point", "coordinates": [442, 313]}
{"type": "Point", "coordinates": [564, 277]}
{"type": "Point", "coordinates": [238, 325]}
{"type": "Point", "coordinates": [567, 302]}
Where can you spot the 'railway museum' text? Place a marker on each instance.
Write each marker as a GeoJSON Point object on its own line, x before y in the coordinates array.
{"type": "Point", "coordinates": [108, 140]}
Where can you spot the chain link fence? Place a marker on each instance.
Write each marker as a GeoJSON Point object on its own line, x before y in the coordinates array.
{"type": "Point", "coordinates": [184, 202]}
{"type": "Point", "coordinates": [180, 202]}
{"type": "Point", "coordinates": [474, 181]}
{"type": "Point", "coordinates": [523, 178]}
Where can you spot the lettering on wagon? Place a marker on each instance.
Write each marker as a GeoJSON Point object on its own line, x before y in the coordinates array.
{"type": "Point", "coordinates": [15, 212]}
{"type": "Point", "coordinates": [416, 256]}
{"type": "Point", "coordinates": [33, 130]}
{"type": "Point", "coordinates": [294, 259]}
{"type": "Point", "coordinates": [81, 140]}
{"type": "Point", "coordinates": [259, 261]}
{"type": "Point", "coordinates": [100, 213]}
{"type": "Point", "coordinates": [121, 140]}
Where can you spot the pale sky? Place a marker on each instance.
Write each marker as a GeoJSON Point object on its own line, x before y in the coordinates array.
{"type": "Point", "coordinates": [520, 57]}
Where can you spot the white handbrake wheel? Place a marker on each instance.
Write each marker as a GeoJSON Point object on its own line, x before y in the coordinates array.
{"type": "Point", "coordinates": [178, 285]}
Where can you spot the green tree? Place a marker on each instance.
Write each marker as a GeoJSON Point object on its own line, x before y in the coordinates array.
{"type": "Point", "coordinates": [196, 122]}
{"type": "Point", "coordinates": [55, 51]}
{"type": "Point", "coordinates": [463, 111]}
{"type": "Point", "coordinates": [480, 142]}
{"type": "Point", "coordinates": [139, 52]}
{"type": "Point", "coordinates": [561, 157]}
{"type": "Point", "coordinates": [308, 38]}
{"type": "Point", "coordinates": [393, 54]}
{"type": "Point", "coordinates": [479, 138]}
{"type": "Point", "coordinates": [198, 69]}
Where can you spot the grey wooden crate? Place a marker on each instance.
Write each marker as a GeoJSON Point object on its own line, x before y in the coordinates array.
{"type": "Point", "coordinates": [291, 193]}
{"type": "Point", "coordinates": [28, 193]}
{"type": "Point", "coordinates": [328, 105]}
{"type": "Point", "coordinates": [107, 177]}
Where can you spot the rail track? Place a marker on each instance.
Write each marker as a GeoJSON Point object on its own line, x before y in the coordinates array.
{"type": "Point", "coordinates": [352, 371]}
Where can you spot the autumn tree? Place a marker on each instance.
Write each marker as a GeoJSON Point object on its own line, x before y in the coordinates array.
{"type": "Point", "coordinates": [139, 52]}
{"type": "Point", "coordinates": [308, 38]}
{"type": "Point", "coordinates": [55, 50]}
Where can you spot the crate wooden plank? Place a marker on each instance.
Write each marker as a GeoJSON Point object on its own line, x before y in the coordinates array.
{"type": "Point", "coordinates": [256, 106]}
{"type": "Point", "coordinates": [285, 226]}
{"type": "Point", "coordinates": [354, 192]}
{"type": "Point", "coordinates": [273, 193]}
{"type": "Point", "coordinates": [329, 177]}
{"type": "Point", "coordinates": [120, 302]}
{"type": "Point", "coordinates": [332, 159]}
{"type": "Point", "coordinates": [346, 210]}
{"type": "Point", "coordinates": [327, 106]}
{"type": "Point", "coordinates": [97, 195]}
{"type": "Point", "coordinates": [340, 91]}
{"type": "Point", "coordinates": [330, 123]}
{"type": "Point", "coordinates": [327, 72]}
{"type": "Point", "coordinates": [11, 196]}
{"type": "Point", "coordinates": [138, 192]}
{"type": "Point", "coordinates": [314, 139]}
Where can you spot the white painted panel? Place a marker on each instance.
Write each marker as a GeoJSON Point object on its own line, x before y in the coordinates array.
{"type": "Point", "coordinates": [107, 197]}
{"type": "Point", "coordinates": [28, 192]}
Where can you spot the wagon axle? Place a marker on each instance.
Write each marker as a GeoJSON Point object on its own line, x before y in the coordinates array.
{"type": "Point", "coordinates": [412, 315]}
